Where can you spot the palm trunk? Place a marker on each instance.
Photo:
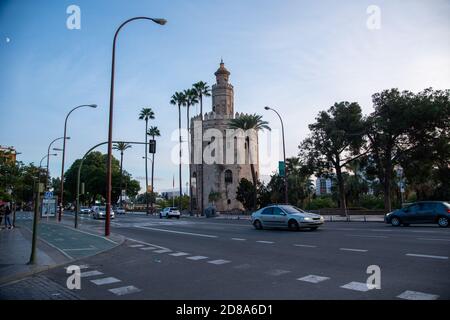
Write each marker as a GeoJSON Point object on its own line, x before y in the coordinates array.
{"type": "Point", "coordinates": [179, 166]}
{"type": "Point", "coordinates": [252, 169]}
{"type": "Point", "coordinates": [201, 165]}
{"type": "Point", "coordinates": [189, 163]}
{"type": "Point", "coordinates": [153, 171]}
{"type": "Point", "coordinates": [120, 183]}
{"type": "Point", "coordinates": [146, 166]}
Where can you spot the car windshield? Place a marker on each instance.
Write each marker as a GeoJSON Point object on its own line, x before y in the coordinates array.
{"type": "Point", "coordinates": [102, 208]}
{"type": "Point", "coordinates": [292, 209]}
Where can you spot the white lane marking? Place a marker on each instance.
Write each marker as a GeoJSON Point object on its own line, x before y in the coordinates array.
{"type": "Point", "coordinates": [124, 290]}
{"type": "Point", "coordinates": [313, 278]}
{"type": "Point", "coordinates": [433, 239]}
{"type": "Point", "coordinates": [136, 245]}
{"type": "Point", "coordinates": [365, 236]}
{"type": "Point", "coordinates": [350, 249]}
{"type": "Point", "coordinates": [238, 239]}
{"type": "Point", "coordinates": [90, 273]}
{"type": "Point", "coordinates": [305, 245]}
{"type": "Point", "coordinates": [415, 295]}
{"type": "Point", "coordinates": [103, 281]}
{"type": "Point", "coordinates": [357, 286]}
{"type": "Point", "coordinates": [83, 266]}
{"type": "Point", "coordinates": [426, 256]}
{"type": "Point", "coordinates": [263, 241]}
{"type": "Point", "coordinates": [148, 248]}
{"type": "Point", "coordinates": [219, 261]}
{"type": "Point", "coordinates": [277, 272]}
{"type": "Point", "coordinates": [178, 254]}
{"type": "Point", "coordinates": [146, 243]}
{"type": "Point", "coordinates": [80, 249]}
{"type": "Point", "coordinates": [180, 232]}
{"type": "Point", "coordinates": [195, 258]}
{"type": "Point", "coordinates": [163, 251]}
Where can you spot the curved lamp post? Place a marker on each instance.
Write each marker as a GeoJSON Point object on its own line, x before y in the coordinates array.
{"type": "Point", "coordinates": [48, 158]}
{"type": "Point", "coordinates": [284, 156]}
{"type": "Point", "coordinates": [79, 173]}
{"type": "Point", "coordinates": [64, 155]}
{"type": "Point", "coordinates": [110, 127]}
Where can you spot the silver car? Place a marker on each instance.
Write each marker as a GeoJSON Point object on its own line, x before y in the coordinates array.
{"type": "Point", "coordinates": [100, 213]}
{"type": "Point", "coordinates": [285, 216]}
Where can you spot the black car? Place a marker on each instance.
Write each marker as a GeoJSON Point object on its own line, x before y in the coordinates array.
{"type": "Point", "coordinates": [420, 212]}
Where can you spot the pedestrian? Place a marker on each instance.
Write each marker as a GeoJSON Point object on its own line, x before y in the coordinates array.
{"type": "Point", "coordinates": [2, 209]}
{"type": "Point", "coordinates": [7, 218]}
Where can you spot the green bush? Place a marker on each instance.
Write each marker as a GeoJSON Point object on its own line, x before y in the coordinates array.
{"type": "Point", "coordinates": [321, 202]}
{"type": "Point", "coordinates": [369, 201]}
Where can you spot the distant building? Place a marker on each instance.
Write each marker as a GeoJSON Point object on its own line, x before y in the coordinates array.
{"type": "Point", "coordinates": [323, 186]}
{"type": "Point", "coordinates": [8, 153]}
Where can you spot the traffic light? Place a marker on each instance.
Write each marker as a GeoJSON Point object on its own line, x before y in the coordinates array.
{"type": "Point", "coordinates": [152, 146]}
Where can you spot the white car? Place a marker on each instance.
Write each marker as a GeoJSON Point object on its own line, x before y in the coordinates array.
{"type": "Point", "coordinates": [119, 210]}
{"type": "Point", "coordinates": [170, 212]}
{"type": "Point", "coordinates": [85, 210]}
{"type": "Point", "coordinates": [100, 213]}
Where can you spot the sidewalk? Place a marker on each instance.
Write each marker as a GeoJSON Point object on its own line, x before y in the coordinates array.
{"type": "Point", "coordinates": [57, 244]}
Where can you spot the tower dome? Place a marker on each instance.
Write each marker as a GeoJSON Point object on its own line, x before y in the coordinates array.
{"type": "Point", "coordinates": [222, 70]}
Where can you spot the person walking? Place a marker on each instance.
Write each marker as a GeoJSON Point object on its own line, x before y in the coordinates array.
{"type": "Point", "coordinates": [7, 218]}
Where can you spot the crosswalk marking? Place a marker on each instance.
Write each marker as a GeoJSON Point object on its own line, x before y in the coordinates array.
{"type": "Point", "coordinates": [162, 251]}
{"type": "Point", "coordinates": [415, 295]}
{"type": "Point", "coordinates": [219, 261]}
{"type": "Point", "coordinates": [357, 286]}
{"type": "Point", "coordinates": [263, 241]}
{"type": "Point", "coordinates": [90, 273]}
{"type": "Point", "coordinates": [104, 281]}
{"type": "Point", "coordinates": [313, 278]}
{"type": "Point", "coordinates": [355, 250]}
{"type": "Point", "coordinates": [426, 256]}
{"type": "Point", "coordinates": [124, 290]}
{"type": "Point", "coordinates": [136, 245]}
{"type": "Point", "coordinates": [179, 254]}
{"type": "Point", "coordinates": [277, 272]}
{"type": "Point", "coordinates": [148, 248]}
{"type": "Point", "coordinates": [238, 239]}
{"type": "Point", "coordinates": [195, 258]}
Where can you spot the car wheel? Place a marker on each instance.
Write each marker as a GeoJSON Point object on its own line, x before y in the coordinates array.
{"type": "Point", "coordinates": [395, 222]}
{"type": "Point", "coordinates": [293, 225]}
{"type": "Point", "coordinates": [443, 222]}
{"type": "Point", "coordinates": [160, 216]}
{"type": "Point", "coordinates": [257, 224]}
{"type": "Point", "coordinates": [178, 217]}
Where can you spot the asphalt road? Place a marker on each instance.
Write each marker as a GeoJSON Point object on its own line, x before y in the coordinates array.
{"type": "Point", "coordinates": [196, 258]}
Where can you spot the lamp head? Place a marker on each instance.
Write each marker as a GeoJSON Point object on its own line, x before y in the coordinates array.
{"type": "Point", "coordinates": [160, 21]}
{"type": "Point", "coordinates": [267, 108]}
{"type": "Point", "coordinates": [93, 105]}
{"type": "Point", "coordinates": [67, 138]}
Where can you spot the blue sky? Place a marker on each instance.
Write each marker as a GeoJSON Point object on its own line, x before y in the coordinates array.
{"type": "Point", "coordinates": [299, 56]}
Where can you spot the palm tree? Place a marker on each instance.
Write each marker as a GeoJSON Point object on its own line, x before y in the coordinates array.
{"type": "Point", "coordinates": [146, 114]}
{"type": "Point", "coordinates": [179, 99]}
{"type": "Point", "coordinates": [203, 90]}
{"type": "Point", "coordinates": [121, 146]}
{"type": "Point", "coordinates": [191, 99]}
{"type": "Point", "coordinates": [153, 132]}
{"type": "Point", "coordinates": [250, 122]}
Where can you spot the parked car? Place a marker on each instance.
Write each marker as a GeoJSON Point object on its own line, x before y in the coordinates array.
{"type": "Point", "coordinates": [119, 210]}
{"type": "Point", "coordinates": [285, 216]}
{"type": "Point", "coordinates": [85, 210]}
{"type": "Point", "coordinates": [420, 212]}
{"type": "Point", "coordinates": [100, 213]}
{"type": "Point", "coordinates": [170, 212]}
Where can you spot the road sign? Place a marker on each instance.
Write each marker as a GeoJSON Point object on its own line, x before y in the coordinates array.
{"type": "Point", "coordinates": [48, 195]}
{"type": "Point", "coordinates": [281, 168]}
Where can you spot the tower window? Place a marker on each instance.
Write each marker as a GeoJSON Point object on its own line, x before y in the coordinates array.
{"type": "Point", "coordinates": [228, 176]}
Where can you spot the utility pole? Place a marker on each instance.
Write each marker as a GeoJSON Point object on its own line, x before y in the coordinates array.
{"type": "Point", "coordinates": [38, 188]}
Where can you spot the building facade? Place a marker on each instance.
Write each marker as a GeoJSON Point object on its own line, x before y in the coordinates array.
{"type": "Point", "coordinates": [226, 160]}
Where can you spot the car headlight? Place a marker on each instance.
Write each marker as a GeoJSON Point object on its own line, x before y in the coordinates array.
{"type": "Point", "coordinates": [307, 219]}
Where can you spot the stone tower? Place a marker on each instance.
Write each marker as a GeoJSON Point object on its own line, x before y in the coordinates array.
{"type": "Point", "coordinates": [221, 177]}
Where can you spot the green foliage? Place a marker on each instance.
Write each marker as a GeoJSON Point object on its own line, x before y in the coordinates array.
{"type": "Point", "coordinates": [369, 201]}
{"type": "Point", "coordinates": [320, 203]}
{"type": "Point", "coordinates": [245, 194]}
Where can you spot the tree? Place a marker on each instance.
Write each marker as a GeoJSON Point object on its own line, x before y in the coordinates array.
{"type": "Point", "coordinates": [250, 122]}
{"type": "Point", "coordinates": [146, 114]}
{"type": "Point", "coordinates": [153, 132]}
{"type": "Point", "coordinates": [121, 146]}
{"type": "Point", "coordinates": [179, 99]}
{"type": "Point", "coordinates": [191, 99]}
{"type": "Point", "coordinates": [202, 90]}
{"type": "Point", "coordinates": [214, 196]}
{"type": "Point", "coordinates": [245, 194]}
{"type": "Point", "coordinates": [336, 139]}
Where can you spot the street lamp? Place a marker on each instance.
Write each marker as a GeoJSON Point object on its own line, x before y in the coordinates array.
{"type": "Point", "coordinates": [110, 127]}
{"type": "Point", "coordinates": [48, 157]}
{"type": "Point", "coordinates": [284, 156]}
{"type": "Point", "coordinates": [64, 156]}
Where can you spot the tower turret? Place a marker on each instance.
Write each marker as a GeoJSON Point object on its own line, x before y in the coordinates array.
{"type": "Point", "coordinates": [222, 92]}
